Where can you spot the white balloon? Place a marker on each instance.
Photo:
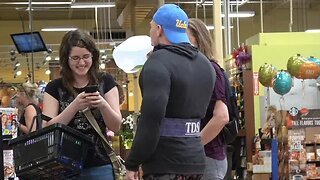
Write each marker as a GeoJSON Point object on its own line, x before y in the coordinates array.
{"type": "Point", "coordinates": [131, 54]}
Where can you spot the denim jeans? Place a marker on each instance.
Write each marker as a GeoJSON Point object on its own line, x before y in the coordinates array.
{"type": "Point", "coordinates": [97, 173]}
{"type": "Point", "coordinates": [215, 169]}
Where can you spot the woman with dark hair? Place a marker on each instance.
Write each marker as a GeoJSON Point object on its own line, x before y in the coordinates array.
{"type": "Point", "coordinates": [217, 112]}
{"type": "Point", "coordinates": [64, 99]}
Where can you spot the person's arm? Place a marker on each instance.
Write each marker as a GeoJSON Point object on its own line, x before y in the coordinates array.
{"type": "Point", "coordinates": [219, 119]}
{"type": "Point", "coordinates": [156, 88]}
{"type": "Point", "coordinates": [220, 116]}
{"type": "Point", "coordinates": [29, 114]}
{"type": "Point", "coordinates": [23, 128]}
{"type": "Point", "coordinates": [109, 108]}
{"type": "Point", "coordinates": [51, 108]}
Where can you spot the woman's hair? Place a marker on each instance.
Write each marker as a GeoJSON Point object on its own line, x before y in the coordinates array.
{"type": "Point", "coordinates": [202, 36]}
{"type": "Point", "coordinates": [121, 94]}
{"type": "Point", "coordinates": [31, 90]}
{"type": "Point", "coordinates": [77, 38]}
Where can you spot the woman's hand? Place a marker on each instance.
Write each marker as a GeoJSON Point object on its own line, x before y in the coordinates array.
{"type": "Point", "coordinates": [95, 99]}
{"type": "Point", "coordinates": [81, 101]}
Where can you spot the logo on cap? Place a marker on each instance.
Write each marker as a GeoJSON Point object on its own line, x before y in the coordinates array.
{"type": "Point", "coordinates": [181, 24]}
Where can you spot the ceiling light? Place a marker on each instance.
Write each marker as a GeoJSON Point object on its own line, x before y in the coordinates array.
{"type": "Point", "coordinates": [18, 73]}
{"type": "Point", "coordinates": [48, 72]}
{"type": "Point", "coordinates": [12, 52]}
{"type": "Point", "coordinates": [17, 64]}
{"type": "Point", "coordinates": [58, 29]}
{"type": "Point", "coordinates": [104, 57]}
{"type": "Point", "coordinates": [93, 5]}
{"type": "Point", "coordinates": [313, 30]}
{"type": "Point", "coordinates": [56, 58]}
{"type": "Point", "coordinates": [48, 58]}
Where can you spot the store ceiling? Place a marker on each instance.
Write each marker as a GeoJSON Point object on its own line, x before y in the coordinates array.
{"type": "Point", "coordinates": [121, 15]}
{"type": "Point", "coordinates": [63, 11]}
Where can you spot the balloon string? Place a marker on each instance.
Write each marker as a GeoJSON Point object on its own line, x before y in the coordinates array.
{"type": "Point", "coordinates": [267, 100]}
{"type": "Point", "coordinates": [268, 96]}
{"type": "Point", "coordinates": [303, 93]}
{"type": "Point", "coordinates": [281, 101]}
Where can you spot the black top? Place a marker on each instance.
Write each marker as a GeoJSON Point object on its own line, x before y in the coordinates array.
{"type": "Point", "coordinates": [22, 119]}
{"type": "Point", "coordinates": [96, 155]}
{"type": "Point", "coordinates": [176, 82]}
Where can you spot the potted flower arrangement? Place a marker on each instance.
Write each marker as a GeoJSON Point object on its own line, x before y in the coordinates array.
{"type": "Point", "coordinates": [127, 131]}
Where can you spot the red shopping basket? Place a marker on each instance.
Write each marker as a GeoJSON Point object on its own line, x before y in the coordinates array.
{"type": "Point", "coordinates": [53, 152]}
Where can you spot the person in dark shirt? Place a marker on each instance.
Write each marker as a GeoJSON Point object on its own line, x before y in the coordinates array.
{"type": "Point", "coordinates": [64, 99]}
{"type": "Point", "coordinates": [27, 102]}
{"type": "Point", "coordinates": [176, 84]}
{"type": "Point", "coordinates": [217, 113]}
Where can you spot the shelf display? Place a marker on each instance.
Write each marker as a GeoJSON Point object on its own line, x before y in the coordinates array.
{"type": "Point", "coordinates": [9, 171]}
{"type": "Point", "coordinates": [9, 119]}
{"type": "Point", "coordinates": [238, 77]}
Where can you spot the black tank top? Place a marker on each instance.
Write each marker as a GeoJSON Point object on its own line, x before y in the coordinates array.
{"type": "Point", "coordinates": [23, 119]}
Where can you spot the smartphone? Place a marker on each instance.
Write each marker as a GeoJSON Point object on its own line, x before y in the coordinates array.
{"type": "Point", "coordinates": [91, 88]}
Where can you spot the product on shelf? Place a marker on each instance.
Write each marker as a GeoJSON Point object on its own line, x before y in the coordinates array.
{"type": "Point", "coordinates": [8, 164]}
{"type": "Point", "coordinates": [9, 120]}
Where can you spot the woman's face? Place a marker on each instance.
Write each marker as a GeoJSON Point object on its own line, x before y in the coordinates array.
{"type": "Point", "coordinates": [80, 61]}
{"type": "Point", "coordinates": [192, 38]}
{"type": "Point", "coordinates": [4, 119]}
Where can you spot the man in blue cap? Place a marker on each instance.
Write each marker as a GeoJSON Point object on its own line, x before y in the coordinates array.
{"type": "Point", "coordinates": [176, 84]}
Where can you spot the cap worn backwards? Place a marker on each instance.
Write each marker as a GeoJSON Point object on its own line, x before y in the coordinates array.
{"type": "Point", "coordinates": [174, 22]}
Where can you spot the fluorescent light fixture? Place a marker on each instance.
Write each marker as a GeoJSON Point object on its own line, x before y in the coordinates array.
{"type": "Point", "coordinates": [93, 5]}
{"type": "Point", "coordinates": [36, 3]}
{"type": "Point", "coordinates": [240, 14]}
{"type": "Point", "coordinates": [209, 3]}
{"type": "Point", "coordinates": [58, 29]}
{"type": "Point", "coordinates": [313, 30]}
{"type": "Point", "coordinates": [211, 27]}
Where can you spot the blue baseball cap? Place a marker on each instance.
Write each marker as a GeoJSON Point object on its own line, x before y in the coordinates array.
{"type": "Point", "coordinates": [174, 22]}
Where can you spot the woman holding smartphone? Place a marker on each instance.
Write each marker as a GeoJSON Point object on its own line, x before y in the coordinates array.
{"type": "Point", "coordinates": [65, 98]}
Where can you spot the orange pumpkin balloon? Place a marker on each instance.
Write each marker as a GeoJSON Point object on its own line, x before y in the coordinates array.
{"type": "Point", "coordinates": [5, 101]}
{"type": "Point", "coordinates": [3, 92]}
{"type": "Point", "coordinates": [309, 70]}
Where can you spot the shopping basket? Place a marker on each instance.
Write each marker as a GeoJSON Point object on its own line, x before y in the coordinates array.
{"type": "Point", "coordinates": [53, 152]}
